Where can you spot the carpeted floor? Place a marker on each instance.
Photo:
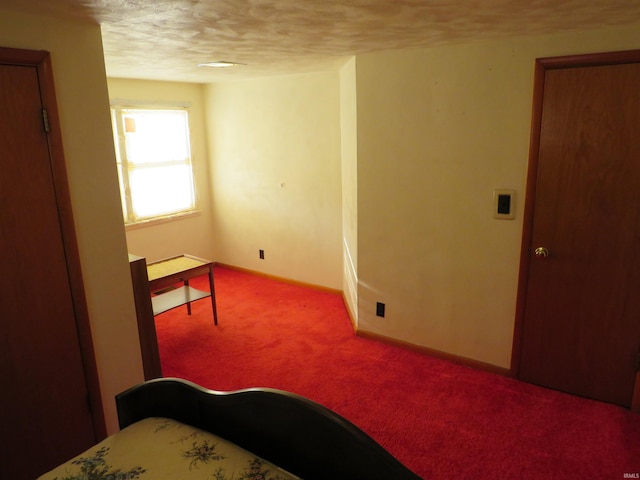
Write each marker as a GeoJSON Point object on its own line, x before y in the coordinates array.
{"type": "Point", "coordinates": [440, 419]}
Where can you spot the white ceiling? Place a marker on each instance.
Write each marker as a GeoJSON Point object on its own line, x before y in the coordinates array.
{"type": "Point", "coordinates": [167, 39]}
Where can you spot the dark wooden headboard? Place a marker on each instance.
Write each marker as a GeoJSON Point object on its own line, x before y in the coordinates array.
{"type": "Point", "coordinates": [290, 431]}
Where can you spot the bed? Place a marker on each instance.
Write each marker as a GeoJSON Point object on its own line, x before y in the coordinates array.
{"type": "Point", "coordinates": [175, 429]}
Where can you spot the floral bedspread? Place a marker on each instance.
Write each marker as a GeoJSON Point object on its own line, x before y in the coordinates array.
{"type": "Point", "coordinates": [160, 448]}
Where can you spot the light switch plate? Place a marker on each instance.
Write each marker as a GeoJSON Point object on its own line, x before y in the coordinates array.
{"type": "Point", "coordinates": [504, 207]}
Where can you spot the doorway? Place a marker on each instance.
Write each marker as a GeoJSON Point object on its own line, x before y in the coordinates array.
{"type": "Point", "coordinates": [578, 314]}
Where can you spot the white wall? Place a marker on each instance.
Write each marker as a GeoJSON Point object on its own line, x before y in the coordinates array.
{"type": "Point", "coordinates": [276, 175]}
{"type": "Point", "coordinates": [438, 130]}
{"type": "Point", "coordinates": [349, 146]}
{"type": "Point", "coordinates": [78, 67]}
{"type": "Point", "coordinates": [190, 234]}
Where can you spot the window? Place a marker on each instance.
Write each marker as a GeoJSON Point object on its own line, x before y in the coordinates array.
{"type": "Point", "coordinates": [154, 162]}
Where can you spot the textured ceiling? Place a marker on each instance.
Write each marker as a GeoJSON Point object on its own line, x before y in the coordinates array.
{"type": "Point", "coordinates": [167, 39]}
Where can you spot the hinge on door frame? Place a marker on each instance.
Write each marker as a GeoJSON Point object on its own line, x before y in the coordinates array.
{"type": "Point", "coordinates": [45, 120]}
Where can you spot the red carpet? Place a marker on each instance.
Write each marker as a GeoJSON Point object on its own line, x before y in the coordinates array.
{"type": "Point", "coordinates": [440, 419]}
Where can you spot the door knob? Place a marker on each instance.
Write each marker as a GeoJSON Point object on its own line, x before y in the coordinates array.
{"type": "Point", "coordinates": [541, 252]}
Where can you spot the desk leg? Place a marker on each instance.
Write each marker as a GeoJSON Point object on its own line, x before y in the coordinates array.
{"type": "Point", "coordinates": [213, 296]}
{"type": "Point", "coordinates": [186, 284]}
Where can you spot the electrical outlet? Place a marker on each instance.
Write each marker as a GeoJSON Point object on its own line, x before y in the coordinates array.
{"type": "Point", "coordinates": [261, 253]}
{"type": "Point", "coordinates": [380, 309]}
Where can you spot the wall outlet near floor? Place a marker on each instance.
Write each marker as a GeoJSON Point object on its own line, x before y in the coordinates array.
{"type": "Point", "coordinates": [379, 309]}
{"type": "Point", "coordinates": [261, 253]}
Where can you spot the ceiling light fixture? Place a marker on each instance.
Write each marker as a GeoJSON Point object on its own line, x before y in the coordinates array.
{"type": "Point", "coordinates": [220, 64]}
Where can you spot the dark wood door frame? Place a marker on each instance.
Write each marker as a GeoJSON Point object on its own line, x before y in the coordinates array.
{"type": "Point", "coordinates": [41, 61]}
{"type": "Point", "coordinates": [541, 66]}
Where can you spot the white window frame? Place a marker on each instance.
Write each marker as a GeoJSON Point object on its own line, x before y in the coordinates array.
{"type": "Point", "coordinates": [126, 168]}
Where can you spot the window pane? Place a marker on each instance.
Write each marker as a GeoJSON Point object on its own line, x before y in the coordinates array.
{"type": "Point", "coordinates": [161, 190]}
{"type": "Point", "coordinates": [123, 198]}
{"type": "Point", "coordinates": [156, 136]}
{"type": "Point", "coordinates": [121, 179]}
{"type": "Point", "coordinates": [154, 162]}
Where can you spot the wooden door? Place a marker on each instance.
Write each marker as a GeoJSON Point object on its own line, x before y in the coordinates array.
{"type": "Point", "coordinates": [48, 378]}
{"type": "Point", "coordinates": [580, 302]}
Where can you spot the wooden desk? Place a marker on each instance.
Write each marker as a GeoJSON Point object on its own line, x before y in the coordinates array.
{"type": "Point", "coordinates": [169, 271]}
